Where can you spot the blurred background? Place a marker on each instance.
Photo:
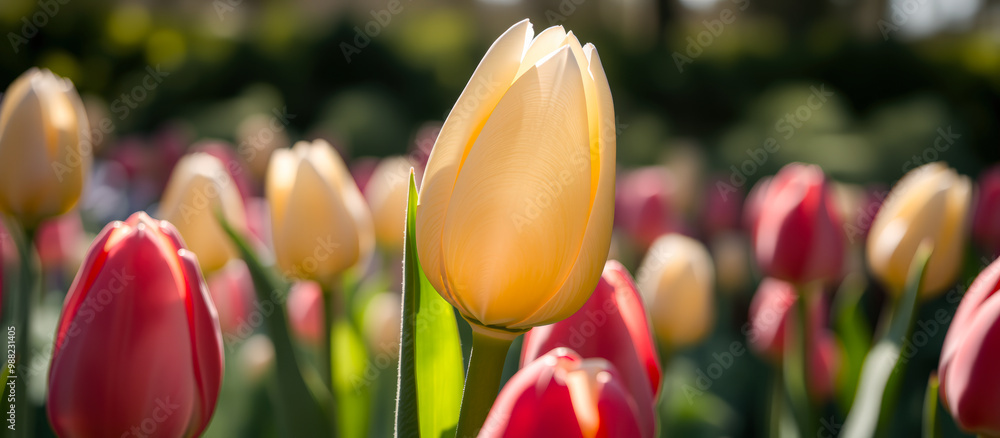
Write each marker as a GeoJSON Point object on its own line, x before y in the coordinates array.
{"type": "Point", "coordinates": [714, 91]}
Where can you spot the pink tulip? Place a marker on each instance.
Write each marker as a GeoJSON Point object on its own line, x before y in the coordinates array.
{"type": "Point", "coordinates": [138, 348]}
{"type": "Point", "coordinates": [612, 325]}
{"type": "Point", "coordinates": [563, 395]}
{"type": "Point", "coordinates": [643, 204]}
{"type": "Point", "coordinates": [970, 385]}
{"type": "Point", "coordinates": [58, 241]}
{"type": "Point", "coordinates": [984, 223]}
{"type": "Point", "coordinates": [721, 208]}
{"type": "Point", "coordinates": [799, 235]}
{"type": "Point", "coordinates": [770, 315]}
{"type": "Point", "coordinates": [305, 311]}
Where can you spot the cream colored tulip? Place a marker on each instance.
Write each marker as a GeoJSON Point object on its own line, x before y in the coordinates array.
{"type": "Point", "coordinates": [387, 192]}
{"type": "Point", "coordinates": [45, 147]}
{"type": "Point", "coordinates": [320, 223]}
{"type": "Point", "coordinates": [677, 282]}
{"type": "Point", "coordinates": [198, 188]}
{"type": "Point", "coordinates": [930, 203]}
{"type": "Point", "coordinates": [517, 200]}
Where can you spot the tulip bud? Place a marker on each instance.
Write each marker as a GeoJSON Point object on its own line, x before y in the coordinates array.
{"type": "Point", "coordinates": [305, 311]}
{"type": "Point", "coordinates": [232, 292]}
{"type": "Point", "coordinates": [562, 394]}
{"type": "Point", "coordinates": [517, 201]}
{"type": "Point", "coordinates": [677, 281]}
{"type": "Point", "coordinates": [970, 385]}
{"type": "Point", "coordinates": [644, 207]}
{"type": "Point", "coordinates": [139, 336]}
{"type": "Point", "coordinates": [386, 192]}
{"type": "Point", "coordinates": [45, 148]}
{"type": "Point", "coordinates": [200, 188]}
{"type": "Point", "coordinates": [612, 325]}
{"type": "Point", "coordinates": [930, 202]}
{"type": "Point", "coordinates": [321, 224]}
{"type": "Point", "coordinates": [799, 235]}
{"type": "Point", "coordinates": [985, 231]}
{"type": "Point", "coordinates": [770, 316]}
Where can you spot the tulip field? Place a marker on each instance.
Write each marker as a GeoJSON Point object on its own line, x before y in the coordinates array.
{"type": "Point", "coordinates": [500, 218]}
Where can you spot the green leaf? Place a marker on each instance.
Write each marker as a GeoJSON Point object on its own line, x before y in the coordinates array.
{"type": "Point", "coordinates": [430, 359]}
{"type": "Point", "coordinates": [884, 368]}
{"type": "Point", "coordinates": [353, 387]}
{"type": "Point", "coordinates": [300, 408]}
{"type": "Point", "coordinates": [930, 429]}
{"type": "Point", "coordinates": [854, 334]}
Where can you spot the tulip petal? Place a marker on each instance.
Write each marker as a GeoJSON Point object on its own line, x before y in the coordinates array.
{"type": "Point", "coordinates": [206, 342]}
{"type": "Point", "coordinates": [514, 223]}
{"type": "Point", "coordinates": [597, 237]}
{"type": "Point", "coordinates": [491, 80]}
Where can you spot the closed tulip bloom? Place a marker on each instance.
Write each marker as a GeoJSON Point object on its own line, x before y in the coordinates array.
{"type": "Point", "coordinates": [930, 202]}
{"type": "Point", "coordinates": [305, 311]}
{"type": "Point", "coordinates": [45, 148]}
{"type": "Point", "coordinates": [644, 205]}
{"type": "Point", "coordinates": [386, 192]}
{"type": "Point", "coordinates": [677, 281]}
{"type": "Point", "coordinates": [799, 235]}
{"type": "Point", "coordinates": [517, 200]}
{"type": "Point", "coordinates": [970, 385]}
{"type": "Point", "coordinates": [561, 394]}
{"type": "Point", "coordinates": [198, 189]}
{"type": "Point", "coordinates": [138, 348]}
{"type": "Point", "coordinates": [612, 325]}
{"type": "Point", "coordinates": [770, 315]}
{"type": "Point", "coordinates": [320, 223]}
{"type": "Point", "coordinates": [985, 231]}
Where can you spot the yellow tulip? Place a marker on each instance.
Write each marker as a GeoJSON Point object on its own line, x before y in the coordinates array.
{"type": "Point", "coordinates": [198, 188]}
{"type": "Point", "coordinates": [676, 279]}
{"type": "Point", "coordinates": [386, 192]}
{"type": "Point", "coordinates": [45, 148]}
{"type": "Point", "coordinates": [516, 205]}
{"type": "Point", "coordinates": [930, 203]}
{"type": "Point", "coordinates": [320, 223]}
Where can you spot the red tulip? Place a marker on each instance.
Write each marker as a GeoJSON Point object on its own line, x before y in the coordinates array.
{"type": "Point", "coordinates": [984, 229]}
{"type": "Point", "coordinates": [564, 395]}
{"type": "Point", "coordinates": [770, 314]}
{"type": "Point", "coordinates": [138, 348]}
{"type": "Point", "coordinates": [305, 311]}
{"type": "Point", "coordinates": [611, 325]}
{"type": "Point", "coordinates": [799, 234]}
{"type": "Point", "coordinates": [970, 385]}
{"type": "Point", "coordinates": [643, 204]}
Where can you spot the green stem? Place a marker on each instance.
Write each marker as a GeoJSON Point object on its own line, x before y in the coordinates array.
{"type": "Point", "coordinates": [482, 380]}
{"type": "Point", "coordinates": [796, 366]}
{"type": "Point", "coordinates": [17, 315]}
